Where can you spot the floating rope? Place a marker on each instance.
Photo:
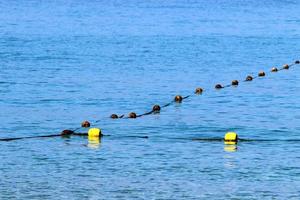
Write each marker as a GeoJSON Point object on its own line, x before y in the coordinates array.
{"type": "Point", "coordinates": [198, 91]}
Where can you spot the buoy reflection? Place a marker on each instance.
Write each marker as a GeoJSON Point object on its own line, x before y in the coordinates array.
{"type": "Point", "coordinates": [230, 147]}
{"type": "Point", "coordinates": [94, 142]}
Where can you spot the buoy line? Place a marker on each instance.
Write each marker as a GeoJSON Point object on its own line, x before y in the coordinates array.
{"type": "Point", "coordinates": [229, 138]}
{"type": "Point", "coordinates": [198, 91]}
{"type": "Point", "coordinates": [94, 134]}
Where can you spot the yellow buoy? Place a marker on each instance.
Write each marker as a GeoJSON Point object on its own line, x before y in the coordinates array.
{"type": "Point", "coordinates": [94, 132]}
{"type": "Point", "coordinates": [230, 138]}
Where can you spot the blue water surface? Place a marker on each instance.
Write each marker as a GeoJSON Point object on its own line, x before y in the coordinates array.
{"type": "Point", "coordinates": [62, 62]}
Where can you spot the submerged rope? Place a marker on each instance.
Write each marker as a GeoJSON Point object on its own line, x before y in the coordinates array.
{"type": "Point", "coordinates": [65, 134]}
{"type": "Point", "coordinates": [214, 139]}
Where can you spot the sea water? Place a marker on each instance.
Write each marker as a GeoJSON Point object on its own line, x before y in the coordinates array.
{"type": "Point", "coordinates": [62, 62]}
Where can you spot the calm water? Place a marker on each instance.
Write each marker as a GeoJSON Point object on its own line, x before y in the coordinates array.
{"type": "Point", "coordinates": [63, 62]}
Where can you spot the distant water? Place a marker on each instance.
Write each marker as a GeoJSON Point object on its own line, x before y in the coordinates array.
{"type": "Point", "coordinates": [62, 62]}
